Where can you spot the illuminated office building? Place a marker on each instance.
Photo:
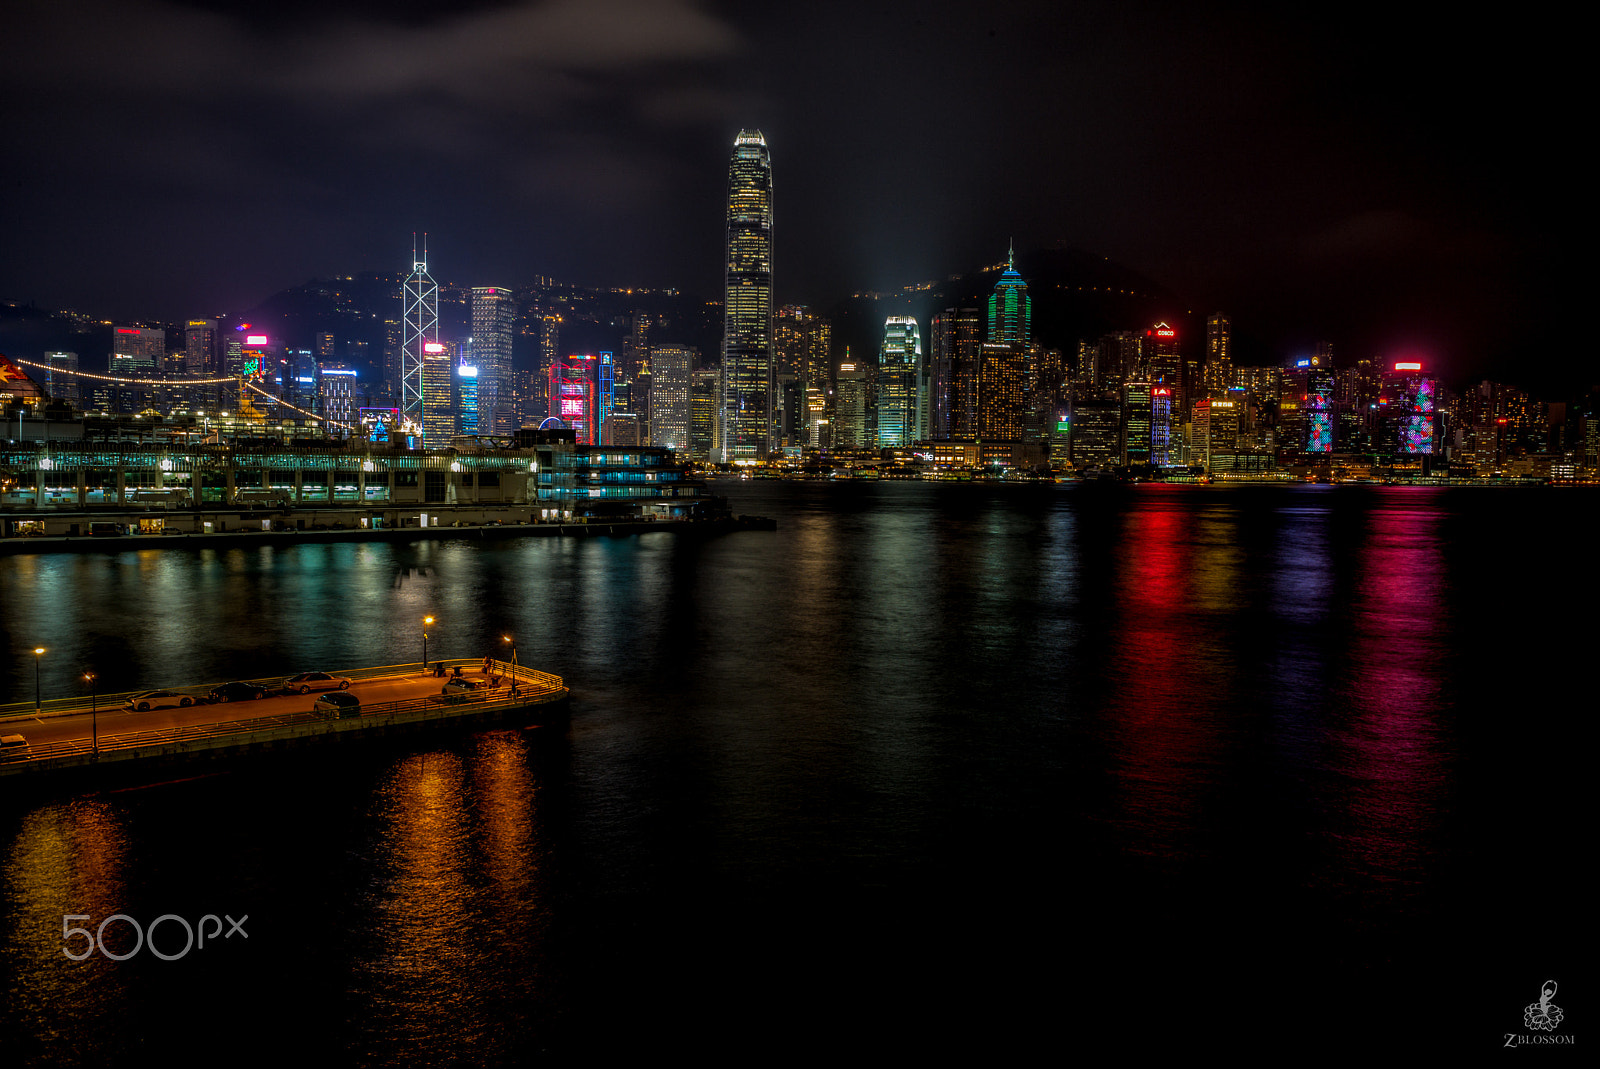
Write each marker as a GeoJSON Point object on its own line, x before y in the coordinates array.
{"type": "Point", "coordinates": [954, 352]}
{"type": "Point", "coordinates": [1408, 406]}
{"type": "Point", "coordinates": [899, 376]}
{"type": "Point", "coordinates": [438, 401]}
{"type": "Point", "coordinates": [1010, 307]}
{"type": "Point", "coordinates": [493, 322]}
{"type": "Point", "coordinates": [573, 389]}
{"type": "Point", "coordinates": [420, 323]}
{"type": "Point", "coordinates": [61, 380]}
{"type": "Point", "coordinates": [671, 383]}
{"type": "Point", "coordinates": [1219, 355]}
{"type": "Point", "coordinates": [703, 407]}
{"type": "Point", "coordinates": [747, 325]}
{"type": "Point", "coordinates": [850, 408]}
{"type": "Point", "coordinates": [469, 406]}
{"type": "Point", "coordinates": [1002, 382]}
{"type": "Point", "coordinates": [1136, 422]}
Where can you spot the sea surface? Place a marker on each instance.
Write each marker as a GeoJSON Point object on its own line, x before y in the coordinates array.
{"type": "Point", "coordinates": [934, 769]}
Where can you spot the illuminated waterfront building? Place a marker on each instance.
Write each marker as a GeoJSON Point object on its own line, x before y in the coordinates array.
{"type": "Point", "coordinates": [1096, 440]}
{"type": "Point", "coordinates": [1161, 424]}
{"type": "Point", "coordinates": [493, 323]}
{"type": "Point", "coordinates": [574, 389]}
{"type": "Point", "coordinates": [899, 378]}
{"type": "Point", "coordinates": [1219, 355]}
{"type": "Point", "coordinates": [420, 324]}
{"type": "Point", "coordinates": [747, 326]}
{"type": "Point", "coordinates": [61, 380]}
{"type": "Point", "coordinates": [1408, 406]}
{"type": "Point", "coordinates": [1136, 422]}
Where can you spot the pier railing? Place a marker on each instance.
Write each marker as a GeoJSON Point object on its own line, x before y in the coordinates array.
{"type": "Point", "coordinates": [513, 689]}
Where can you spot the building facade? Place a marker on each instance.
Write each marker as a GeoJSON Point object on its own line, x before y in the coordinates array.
{"type": "Point", "coordinates": [747, 325]}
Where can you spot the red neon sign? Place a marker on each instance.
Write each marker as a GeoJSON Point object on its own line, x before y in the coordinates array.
{"type": "Point", "coordinates": [127, 330]}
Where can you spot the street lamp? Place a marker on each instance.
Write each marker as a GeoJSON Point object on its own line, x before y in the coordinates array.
{"type": "Point", "coordinates": [513, 640]}
{"type": "Point", "coordinates": [38, 706]}
{"type": "Point", "coordinates": [427, 621]}
{"type": "Point", "coordinates": [94, 710]}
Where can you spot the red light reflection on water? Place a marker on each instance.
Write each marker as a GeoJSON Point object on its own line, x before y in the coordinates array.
{"type": "Point", "coordinates": [1390, 747]}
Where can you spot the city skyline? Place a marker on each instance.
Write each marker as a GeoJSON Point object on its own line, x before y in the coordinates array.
{"type": "Point", "coordinates": [1315, 177]}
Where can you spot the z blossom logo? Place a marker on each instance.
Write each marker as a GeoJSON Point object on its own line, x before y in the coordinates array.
{"type": "Point", "coordinates": [1542, 1016]}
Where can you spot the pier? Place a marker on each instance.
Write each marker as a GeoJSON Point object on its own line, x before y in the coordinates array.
{"type": "Point", "coordinates": [68, 735]}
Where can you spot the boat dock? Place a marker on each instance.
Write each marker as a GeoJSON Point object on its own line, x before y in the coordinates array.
{"type": "Point", "coordinates": [70, 735]}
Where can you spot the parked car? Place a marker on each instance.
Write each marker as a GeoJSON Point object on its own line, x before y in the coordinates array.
{"type": "Point", "coordinates": [158, 699]}
{"type": "Point", "coordinates": [338, 704]}
{"type": "Point", "coordinates": [13, 743]}
{"type": "Point", "coordinates": [464, 688]}
{"type": "Point", "coordinates": [306, 682]}
{"type": "Point", "coordinates": [238, 692]}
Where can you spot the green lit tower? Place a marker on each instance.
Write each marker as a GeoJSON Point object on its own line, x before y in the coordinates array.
{"type": "Point", "coordinates": [1010, 307]}
{"type": "Point", "coordinates": [746, 416]}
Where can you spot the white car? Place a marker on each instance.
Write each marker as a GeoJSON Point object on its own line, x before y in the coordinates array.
{"type": "Point", "coordinates": [158, 699]}
{"type": "Point", "coordinates": [306, 682]}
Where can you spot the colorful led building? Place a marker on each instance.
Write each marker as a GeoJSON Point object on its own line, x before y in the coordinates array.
{"type": "Point", "coordinates": [1010, 307]}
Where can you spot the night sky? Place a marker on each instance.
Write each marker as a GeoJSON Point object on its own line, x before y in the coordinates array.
{"type": "Point", "coordinates": [1384, 180]}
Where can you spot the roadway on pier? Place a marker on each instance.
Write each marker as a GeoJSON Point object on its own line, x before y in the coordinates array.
{"type": "Point", "coordinates": [119, 720]}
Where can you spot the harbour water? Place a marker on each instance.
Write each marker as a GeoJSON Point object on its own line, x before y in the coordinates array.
{"type": "Point", "coordinates": [931, 768]}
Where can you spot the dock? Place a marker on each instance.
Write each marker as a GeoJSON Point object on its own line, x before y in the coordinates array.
{"type": "Point", "coordinates": [69, 737]}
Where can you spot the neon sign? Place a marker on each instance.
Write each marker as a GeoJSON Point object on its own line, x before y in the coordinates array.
{"type": "Point", "coordinates": [1408, 367]}
{"type": "Point", "coordinates": [255, 339]}
{"type": "Point", "coordinates": [432, 347]}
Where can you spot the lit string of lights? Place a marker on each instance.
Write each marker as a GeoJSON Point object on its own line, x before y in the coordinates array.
{"type": "Point", "coordinates": [236, 380]}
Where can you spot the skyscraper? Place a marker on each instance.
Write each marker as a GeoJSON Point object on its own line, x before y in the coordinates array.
{"type": "Point", "coordinates": [953, 376]}
{"type": "Point", "coordinates": [1010, 307]}
{"type": "Point", "coordinates": [493, 316]}
{"type": "Point", "coordinates": [1219, 360]}
{"type": "Point", "coordinates": [420, 315]}
{"type": "Point", "coordinates": [899, 375]}
{"type": "Point", "coordinates": [747, 325]}
{"type": "Point", "coordinates": [671, 383]}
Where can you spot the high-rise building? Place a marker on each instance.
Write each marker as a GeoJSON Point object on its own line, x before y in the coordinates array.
{"type": "Point", "coordinates": [61, 378]}
{"type": "Point", "coordinates": [899, 375]}
{"type": "Point", "coordinates": [469, 407]}
{"type": "Point", "coordinates": [493, 322]}
{"type": "Point", "coordinates": [671, 381]}
{"type": "Point", "coordinates": [420, 322]}
{"type": "Point", "coordinates": [1010, 307]}
{"type": "Point", "coordinates": [703, 406]}
{"type": "Point", "coordinates": [1219, 357]}
{"type": "Point", "coordinates": [1002, 383]}
{"type": "Point", "coordinates": [438, 413]}
{"type": "Point", "coordinates": [953, 373]}
{"type": "Point", "coordinates": [1165, 365]}
{"type": "Point", "coordinates": [850, 408]}
{"type": "Point", "coordinates": [549, 327]}
{"type": "Point", "coordinates": [336, 385]}
{"type": "Point", "coordinates": [1409, 411]}
{"type": "Point", "coordinates": [574, 389]}
{"type": "Point", "coordinates": [747, 324]}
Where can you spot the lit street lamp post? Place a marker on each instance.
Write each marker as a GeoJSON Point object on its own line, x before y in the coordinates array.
{"type": "Point", "coordinates": [94, 710]}
{"type": "Point", "coordinates": [513, 640]}
{"type": "Point", "coordinates": [426, 622]}
{"type": "Point", "coordinates": [38, 706]}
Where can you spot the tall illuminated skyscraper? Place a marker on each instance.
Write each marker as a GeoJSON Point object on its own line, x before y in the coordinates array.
{"type": "Point", "coordinates": [899, 375]}
{"type": "Point", "coordinates": [493, 316]}
{"type": "Point", "coordinates": [747, 327]}
{"type": "Point", "coordinates": [1010, 307]}
{"type": "Point", "coordinates": [420, 316]}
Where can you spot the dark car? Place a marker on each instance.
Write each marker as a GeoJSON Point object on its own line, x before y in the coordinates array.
{"type": "Point", "coordinates": [338, 704]}
{"type": "Point", "coordinates": [238, 692]}
{"type": "Point", "coordinates": [306, 682]}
